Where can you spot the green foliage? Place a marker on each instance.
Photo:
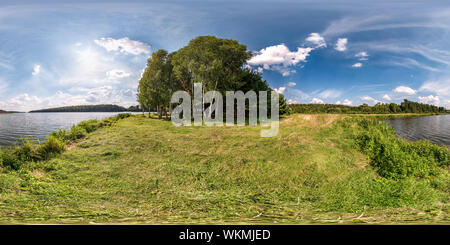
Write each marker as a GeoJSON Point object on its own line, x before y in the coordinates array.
{"type": "Point", "coordinates": [284, 107]}
{"type": "Point", "coordinates": [219, 64]}
{"type": "Point", "coordinates": [396, 158]}
{"type": "Point", "coordinates": [51, 147]}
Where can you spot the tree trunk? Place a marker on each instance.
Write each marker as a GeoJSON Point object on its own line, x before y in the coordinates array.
{"type": "Point", "coordinates": [170, 110]}
{"type": "Point", "coordinates": [159, 112]}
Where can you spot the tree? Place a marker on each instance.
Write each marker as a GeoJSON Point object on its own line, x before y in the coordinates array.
{"type": "Point", "coordinates": [214, 62]}
{"type": "Point", "coordinates": [157, 83]}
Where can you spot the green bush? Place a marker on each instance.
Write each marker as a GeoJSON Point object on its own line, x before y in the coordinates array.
{"type": "Point", "coordinates": [120, 116]}
{"type": "Point", "coordinates": [51, 146]}
{"type": "Point", "coordinates": [76, 132]}
{"type": "Point", "coordinates": [61, 134]}
{"type": "Point", "coordinates": [26, 151]}
{"type": "Point", "coordinates": [9, 159]}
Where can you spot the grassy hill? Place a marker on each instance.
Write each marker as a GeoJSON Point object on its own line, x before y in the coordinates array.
{"type": "Point", "coordinates": [319, 169]}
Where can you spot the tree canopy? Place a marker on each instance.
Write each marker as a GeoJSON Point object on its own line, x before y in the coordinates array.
{"type": "Point", "coordinates": [219, 64]}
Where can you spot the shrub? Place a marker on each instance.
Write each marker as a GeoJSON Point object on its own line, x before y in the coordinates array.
{"type": "Point", "coordinates": [9, 159]}
{"type": "Point", "coordinates": [61, 134]}
{"type": "Point", "coordinates": [52, 146]}
{"type": "Point", "coordinates": [76, 132]}
{"type": "Point", "coordinates": [120, 116]}
{"type": "Point", "coordinates": [89, 125]}
{"type": "Point", "coordinates": [27, 151]}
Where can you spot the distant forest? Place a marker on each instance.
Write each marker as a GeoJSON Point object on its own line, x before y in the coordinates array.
{"type": "Point", "coordinates": [90, 108]}
{"type": "Point", "coordinates": [405, 107]}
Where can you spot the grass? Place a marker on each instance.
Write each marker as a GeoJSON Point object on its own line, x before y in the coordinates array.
{"type": "Point", "coordinates": [143, 170]}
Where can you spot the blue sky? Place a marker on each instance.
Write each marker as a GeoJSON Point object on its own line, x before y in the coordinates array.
{"type": "Point", "coordinates": [55, 53]}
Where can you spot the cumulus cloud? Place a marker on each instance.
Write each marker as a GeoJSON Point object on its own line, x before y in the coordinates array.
{"type": "Point", "coordinates": [341, 44]}
{"type": "Point", "coordinates": [316, 101]}
{"type": "Point", "coordinates": [116, 73]}
{"type": "Point", "coordinates": [362, 55]}
{"type": "Point", "coordinates": [446, 104]}
{"type": "Point", "coordinates": [370, 99]}
{"type": "Point", "coordinates": [76, 96]}
{"type": "Point", "coordinates": [440, 87]}
{"type": "Point", "coordinates": [345, 102]}
{"type": "Point", "coordinates": [387, 97]}
{"type": "Point", "coordinates": [291, 84]}
{"type": "Point", "coordinates": [279, 58]}
{"type": "Point", "coordinates": [280, 90]}
{"type": "Point", "coordinates": [290, 101]}
{"type": "Point", "coordinates": [357, 65]}
{"type": "Point", "coordinates": [36, 70]}
{"type": "Point", "coordinates": [123, 45]}
{"type": "Point", "coordinates": [404, 90]}
{"type": "Point", "coordinates": [433, 100]}
{"type": "Point", "coordinates": [316, 39]}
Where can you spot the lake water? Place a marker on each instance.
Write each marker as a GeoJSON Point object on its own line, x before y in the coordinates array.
{"type": "Point", "coordinates": [38, 125]}
{"type": "Point", "coordinates": [433, 128]}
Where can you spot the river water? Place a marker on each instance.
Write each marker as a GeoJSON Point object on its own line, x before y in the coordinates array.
{"type": "Point", "coordinates": [433, 128]}
{"type": "Point", "coordinates": [38, 125]}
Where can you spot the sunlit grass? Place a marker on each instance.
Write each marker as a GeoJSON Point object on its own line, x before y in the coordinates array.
{"type": "Point", "coordinates": [148, 171]}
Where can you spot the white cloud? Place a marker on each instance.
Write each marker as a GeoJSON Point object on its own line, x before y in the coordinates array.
{"type": "Point", "coordinates": [280, 90]}
{"type": "Point", "coordinates": [446, 104]}
{"type": "Point", "coordinates": [292, 101]}
{"type": "Point", "coordinates": [370, 99]}
{"type": "Point", "coordinates": [357, 65]}
{"type": "Point", "coordinates": [404, 90]}
{"type": "Point", "coordinates": [316, 39]}
{"type": "Point", "coordinates": [345, 102]}
{"type": "Point", "coordinates": [291, 84]}
{"type": "Point", "coordinates": [316, 101]}
{"type": "Point", "coordinates": [296, 94]}
{"type": "Point", "coordinates": [77, 96]}
{"type": "Point", "coordinates": [36, 70]}
{"type": "Point", "coordinates": [362, 55]}
{"type": "Point", "coordinates": [440, 87]}
{"type": "Point", "coordinates": [330, 93]}
{"type": "Point", "coordinates": [433, 100]}
{"type": "Point", "coordinates": [341, 44]}
{"type": "Point", "coordinates": [279, 58]}
{"type": "Point", "coordinates": [116, 73]}
{"type": "Point", "coordinates": [123, 45]}
{"type": "Point", "coordinates": [387, 97]}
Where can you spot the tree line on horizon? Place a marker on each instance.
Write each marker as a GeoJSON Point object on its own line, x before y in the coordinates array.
{"type": "Point", "coordinates": [404, 107]}
{"type": "Point", "coordinates": [90, 108]}
{"type": "Point", "coordinates": [219, 64]}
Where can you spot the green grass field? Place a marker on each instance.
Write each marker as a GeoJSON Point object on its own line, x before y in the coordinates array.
{"type": "Point", "coordinates": [143, 170]}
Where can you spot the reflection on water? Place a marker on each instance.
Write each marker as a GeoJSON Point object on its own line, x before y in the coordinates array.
{"type": "Point", "coordinates": [38, 125]}
{"type": "Point", "coordinates": [433, 128]}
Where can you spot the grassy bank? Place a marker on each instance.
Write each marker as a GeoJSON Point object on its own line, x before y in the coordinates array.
{"type": "Point", "coordinates": [319, 169]}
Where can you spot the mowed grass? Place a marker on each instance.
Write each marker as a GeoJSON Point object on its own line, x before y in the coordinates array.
{"type": "Point", "coordinates": [145, 170]}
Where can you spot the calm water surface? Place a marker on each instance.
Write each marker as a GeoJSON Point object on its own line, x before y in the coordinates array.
{"type": "Point", "coordinates": [38, 125]}
{"type": "Point", "coordinates": [433, 128]}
